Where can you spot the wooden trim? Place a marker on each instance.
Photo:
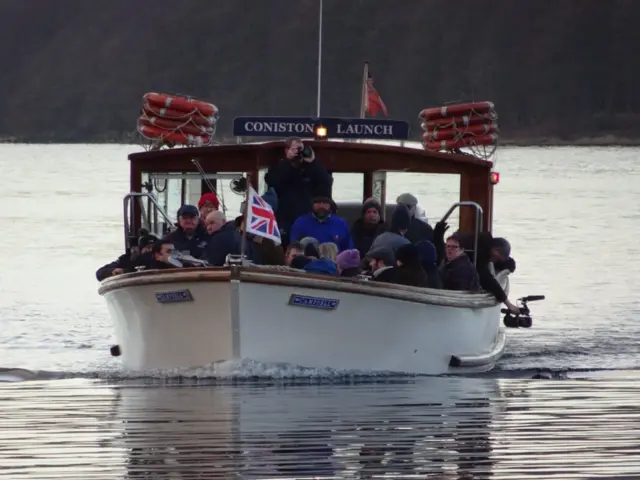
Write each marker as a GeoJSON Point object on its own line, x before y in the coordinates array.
{"type": "Point", "coordinates": [302, 280]}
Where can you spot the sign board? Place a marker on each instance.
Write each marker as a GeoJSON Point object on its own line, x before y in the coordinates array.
{"type": "Point", "coordinates": [353, 128]}
{"type": "Point", "coordinates": [174, 297]}
{"type": "Point", "coordinates": [313, 302]}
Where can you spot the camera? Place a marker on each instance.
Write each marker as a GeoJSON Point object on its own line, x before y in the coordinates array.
{"type": "Point", "coordinates": [305, 152]}
{"type": "Point", "coordinates": [523, 318]}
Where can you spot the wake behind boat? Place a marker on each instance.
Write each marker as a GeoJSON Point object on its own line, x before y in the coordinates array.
{"type": "Point", "coordinates": [187, 317]}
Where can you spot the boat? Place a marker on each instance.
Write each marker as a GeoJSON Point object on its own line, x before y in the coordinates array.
{"type": "Point", "coordinates": [181, 318]}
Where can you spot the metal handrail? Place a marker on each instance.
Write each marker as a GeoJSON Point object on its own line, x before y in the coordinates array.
{"type": "Point", "coordinates": [479, 218]}
{"type": "Point", "coordinates": [128, 212]}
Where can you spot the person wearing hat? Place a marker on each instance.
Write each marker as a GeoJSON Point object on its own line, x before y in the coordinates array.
{"type": "Point", "coordinates": [191, 236]}
{"type": "Point", "coordinates": [296, 179]}
{"type": "Point", "coordinates": [419, 230]}
{"type": "Point", "coordinates": [395, 237]}
{"type": "Point", "coordinates": [348, 262]}
{"type": "Point", "coordinates": [366, 228]}
{"type": "Point", "coordinates": [140, 256]}
{"type": "Point", "coordinates": [381, 262]}
{"type": "Point", "coordinates": [408, 269]}
{"type": "Point", "coordinates": [208, 203]}
{"type": "Point", "coordinates": [322, 225]}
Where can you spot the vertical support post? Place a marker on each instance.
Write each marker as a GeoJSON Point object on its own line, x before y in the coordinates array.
{"type": "Point", "coordinates": [319, 61]}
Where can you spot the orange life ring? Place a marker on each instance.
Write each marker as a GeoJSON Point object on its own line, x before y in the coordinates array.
{"type": "Point", "coordinates": [459, 121]}
{"type": "Point", "coordinates": [153, 133]}
{"type": "Point", "coordinates": [454, 133]}
{"type": "Point", "coordinates": [195, 116]}
{"type": "Point", "coordinates": [462, 142]}
{"type": "Point", "coordinates": [173, 125]}
{"type": "Point", "coordinates": [455, 110]}
{"type": "Point", "coordinates": [182, 104]}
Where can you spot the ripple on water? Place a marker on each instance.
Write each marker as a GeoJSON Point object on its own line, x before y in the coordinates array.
{"type": "Point", "coordinates": [409, 428]}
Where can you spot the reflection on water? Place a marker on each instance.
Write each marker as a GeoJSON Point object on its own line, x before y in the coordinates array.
{"type": "Point", "coordinates": [443, 428]}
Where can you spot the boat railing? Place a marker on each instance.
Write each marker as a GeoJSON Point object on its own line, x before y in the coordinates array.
{"type": "Point", "coordinates": [478, 223]}
{"type": "Point", "coordinates": [149, 214]}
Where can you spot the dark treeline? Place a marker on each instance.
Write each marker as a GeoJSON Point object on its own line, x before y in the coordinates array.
{"type": "Point", "coordinates": [75, 70]}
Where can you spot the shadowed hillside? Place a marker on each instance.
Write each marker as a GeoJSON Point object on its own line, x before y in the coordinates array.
{"type": "Point", "coordinates": [75, 70]}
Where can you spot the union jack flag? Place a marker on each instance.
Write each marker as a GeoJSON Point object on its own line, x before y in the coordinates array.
{"type": "Point", "coordinates": [262, 221]}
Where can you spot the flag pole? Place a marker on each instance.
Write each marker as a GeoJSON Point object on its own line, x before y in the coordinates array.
{"type": "Point", "coordinates": [363, 98]}
{"type": "Point", "coordinates": [319, 61]}
{"type": "Point", "coordinates": [243, 242]}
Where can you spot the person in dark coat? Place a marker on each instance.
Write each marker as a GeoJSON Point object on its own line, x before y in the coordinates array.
{"type": "Point", "coordinates": [224, 241]}
{"type": "Point", "coordinates": [487, 253]}
{"type": "Point", "coordinates": [296, 179]}
{"type": "Point", "coordinates": [191, 236]}
{"type": "Point", "coordinates": [458, 273]}
{"type": "Point", "coordinates": [127, 262]}
{"type": "Point", "coordinates": [418, 229]}
{"type": "Point", "coordinates": [395, 237]}
{"type": "Point", "coordinates": [381, 263]}
{"type": "Point", "coordinates": [408, 268]}
{"type": "Point", "coordinates": [428, 260]}
{"type": "Point", "coordinates": [366, 228]}
{"type": "Point", "coordinates": [161, 251]}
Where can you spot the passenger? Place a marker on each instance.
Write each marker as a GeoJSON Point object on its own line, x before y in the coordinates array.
{"type": "Point", "coordinates": [419, 229]}
{"type": "Point", "coordinates": [191, 236]}
{"type": "Point", "coordinates": [215, 221]}
{"type": "Point", "coordinates": [485, 268]}
{"type": "Point", "coordinates": [408, 269]}
{"type": "Point", "coordinates": [500, 255]}
{"type": "Point", "coordinates": [310, 247]}
{"type": "Point", "coordinates": [328, 250]}
{"type": "Point", "coordinates": [395, 237]}
{"type": "Point", "coordinates": [381, 263]}
{"type": "Point", "coordinates": [264, 251]}
{"type": "Point", "coordinates": [325, 263]}
{"type": "Point", "coordinates": [300, 261]}
{"type": "Point", "coordinates": [458, 273]}
{"type": "Point", "coordinates": [428, 260]}
{"type": "Point", "coordinates": [162, 251]}
{"type": "Point", "coordinates": [348, 263]}
{"type": "Point", "coordinates": [224, 239]}
{"type": "Point", "coordinates": [366, 228]}
{"type": "Point", "coordinates": [296, 179]}
{"type": "Point", "coordinates": [293, 250]}
{"type": "Point", "coordinates": [322, 225]}
{"type": "Point", "coordinates": [126, 263]}
{"type": "Point", "coordinates": [208, 203]}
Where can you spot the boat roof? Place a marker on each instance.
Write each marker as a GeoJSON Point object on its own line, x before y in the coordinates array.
{"type": "Point", "coordinates": [337, 156]}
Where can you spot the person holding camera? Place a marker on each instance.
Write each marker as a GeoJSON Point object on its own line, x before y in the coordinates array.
{"type": "Point", "coordinates": [297, 179]}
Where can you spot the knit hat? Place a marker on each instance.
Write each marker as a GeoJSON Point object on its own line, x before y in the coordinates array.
{"type": "Point", "coordinates": [348, 259]}
{"type": "Point", "coordinates": [427, 253]}
{"type": "Point", "coordinates": [371, 202]}
{"type": "Point", "coordinates": [400, 220]}
{"type": "Point", "coordinates": [209, 197]}
{"type": "Point", "coordinates": [408, 254]}
{"type": "Point", "coordinates": [407, 199]}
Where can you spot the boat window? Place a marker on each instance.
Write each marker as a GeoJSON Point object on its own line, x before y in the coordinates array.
{"type": "Point", "coordinates": [347, 187]}
{"type": "Point", "coordinates": [435, 193]}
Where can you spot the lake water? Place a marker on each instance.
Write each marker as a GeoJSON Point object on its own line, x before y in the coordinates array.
{"type": "Point", "coordinates": [571, 215]}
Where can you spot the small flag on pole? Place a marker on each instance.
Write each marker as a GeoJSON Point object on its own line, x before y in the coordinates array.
{"type": "Point", "coordinates": [374, 103]}
{"type": "Point", "coordinates": [261, 220]}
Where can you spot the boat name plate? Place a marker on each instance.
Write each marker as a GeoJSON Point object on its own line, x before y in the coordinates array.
{"type": "Point", "coordinates": [174, 297]}
{"type": "Point", "coordinates": [313, 302]}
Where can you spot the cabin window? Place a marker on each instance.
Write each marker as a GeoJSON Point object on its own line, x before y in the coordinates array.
{"type": "Point", "coordinates": [347, 187]}
{"type": "Point", "coordinates": [435, 193]}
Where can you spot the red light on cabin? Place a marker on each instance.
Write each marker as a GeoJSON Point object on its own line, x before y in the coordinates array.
{"type": "Point", "coordinates": [495, 178]}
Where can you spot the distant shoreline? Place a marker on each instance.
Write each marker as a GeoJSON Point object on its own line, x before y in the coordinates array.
{"type": "Point", "coordinates": [597, 141]}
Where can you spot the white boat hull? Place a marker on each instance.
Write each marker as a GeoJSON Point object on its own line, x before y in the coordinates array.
{"type": "Point", "coordinates": [248, 314]}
